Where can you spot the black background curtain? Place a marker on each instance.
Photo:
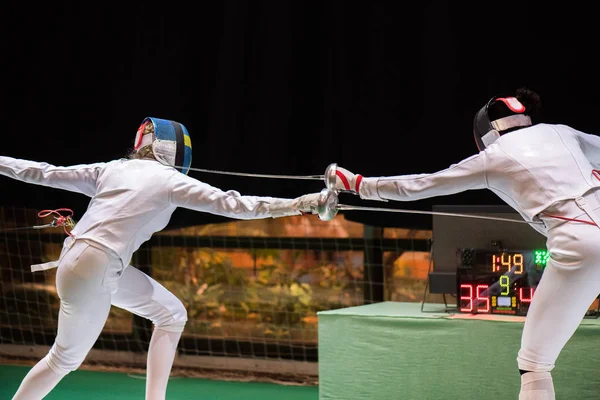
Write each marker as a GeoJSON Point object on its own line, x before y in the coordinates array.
{"type": "Point", "coordinates": [284, 87]}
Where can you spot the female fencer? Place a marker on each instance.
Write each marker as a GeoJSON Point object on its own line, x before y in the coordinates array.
{"type": "Point", "coordinates": [548, 174]}
{"type": "Point", "coordinates": [131, 199]}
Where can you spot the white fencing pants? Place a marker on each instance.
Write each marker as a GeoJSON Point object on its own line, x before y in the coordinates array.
{"type": "Point", "coordinates": [569, 285]}
{"type": "Point", "coordinates": [88, 280]}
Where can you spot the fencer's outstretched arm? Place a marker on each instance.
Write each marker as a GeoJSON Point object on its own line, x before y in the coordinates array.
{"type": "Point", "coordinates": [466, 175]}
{"type": "Point", "coordinates": [195, 195]}
{"type": "Point", "coordinates": [76, 178]}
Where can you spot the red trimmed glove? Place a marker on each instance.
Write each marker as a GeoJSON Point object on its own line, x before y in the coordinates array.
{"type": "Point", "coordinates": [346, 181]}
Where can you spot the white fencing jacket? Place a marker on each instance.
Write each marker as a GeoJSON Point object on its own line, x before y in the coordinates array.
{"type": "Point", "coordinates": [132, 199]}
{"type": "Point", "coordinates": [531, 169]}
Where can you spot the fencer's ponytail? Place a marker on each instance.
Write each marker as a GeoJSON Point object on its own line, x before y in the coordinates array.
{"type": "Point", "coordinates": [531, 100]}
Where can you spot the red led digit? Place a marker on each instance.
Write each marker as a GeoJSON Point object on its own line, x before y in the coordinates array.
{"type": "Point", "coordinates": [469, 298]}
{"type": "Point", "coordinates": [524, 299]}
{"type": "Point", "coordinates": [484, 299]}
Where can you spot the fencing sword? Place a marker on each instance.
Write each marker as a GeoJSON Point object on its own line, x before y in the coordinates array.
{"type": "Point", "coordinates": [328, 207]}
{"type": "Point", "coordinates": [252, 175]}
{"type": "Point", "coordinates": [328, 203]}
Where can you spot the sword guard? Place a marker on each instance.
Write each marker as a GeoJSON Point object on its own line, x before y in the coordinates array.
{"type": "Point", "coordinates": [330, 176]}
{"type": "Point", "coordinates": [327, 204]}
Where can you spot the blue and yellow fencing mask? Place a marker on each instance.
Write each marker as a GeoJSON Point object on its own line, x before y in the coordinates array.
{"type": "Point", "coordinates": [170, 141]}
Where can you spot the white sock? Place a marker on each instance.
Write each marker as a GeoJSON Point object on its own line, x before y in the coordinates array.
{"type": "Point", "coordinates": [161, 355]}
{"type": "Point", "coordinates": [38, 382]}
{"type": "Point", "coordinates": [536, 386]}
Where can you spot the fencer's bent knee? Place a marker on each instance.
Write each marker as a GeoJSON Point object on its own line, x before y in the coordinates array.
{"type": "Point", "coordinates": [174, 319]}
{"type": "Point", "coordinates": [64, 360]}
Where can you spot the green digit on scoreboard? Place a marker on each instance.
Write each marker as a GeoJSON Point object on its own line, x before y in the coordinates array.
{"type": "Point", "coordinates": [505, 284]}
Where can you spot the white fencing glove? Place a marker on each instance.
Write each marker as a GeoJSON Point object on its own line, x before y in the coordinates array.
{"type": "Point", "coordinates": [302, 205]}
{"type": "Point", "coordinates": [346, 181]}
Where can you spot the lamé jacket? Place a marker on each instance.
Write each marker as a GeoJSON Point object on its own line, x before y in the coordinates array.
{"type": "Point", "coordinates": [132, 199]}
{"type": "Point", "coordinates": [531, 169]}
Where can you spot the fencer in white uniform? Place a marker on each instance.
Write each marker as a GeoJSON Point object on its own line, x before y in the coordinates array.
{"type": "Point", "coordinates": [547, 173]}
{"type": "Point", "coordinates": [130, 200]}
